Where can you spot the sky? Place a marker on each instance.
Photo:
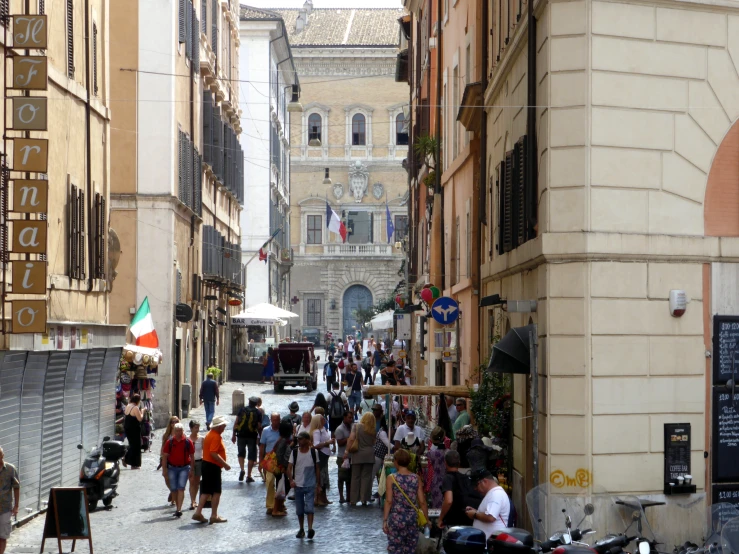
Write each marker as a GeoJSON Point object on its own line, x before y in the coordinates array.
{"type": "Point", "coordinates": [324, 3]}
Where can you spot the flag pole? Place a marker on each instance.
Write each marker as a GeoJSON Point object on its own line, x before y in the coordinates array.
{"type": "Point", "coordinates": [270, 239]}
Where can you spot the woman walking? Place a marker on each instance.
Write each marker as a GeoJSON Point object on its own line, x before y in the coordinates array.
{"type": "Point", "coordinates": [382, 445]}
{"type": "Point", "coordinates": [282, 452]}
{"type": "Point", "coordinates": [404, 495]}
{"type": "Point", "coordinates": [132, 427]}
{"type": "Point", "coordinates": [269, 367]}
{"type": "Point", "coordinates": [322, 442]}
{"type": "Point", "coordinates": [361, 450]}
{"type": "Point", "coordinates": [174, 420]}
{"type": "Point", "coordinates": [196, 474]}
{"type": "Point", "coordinates": [436, 469]}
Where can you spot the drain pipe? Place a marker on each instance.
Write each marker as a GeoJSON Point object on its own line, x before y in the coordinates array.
{"type": "Point", "coordinates": [88, 146]}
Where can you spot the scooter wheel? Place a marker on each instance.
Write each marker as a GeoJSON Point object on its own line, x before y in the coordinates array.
{"type": "Point", "coordinates": [92, 505]}
{"type": "Point", "coordinates": [107, 501]}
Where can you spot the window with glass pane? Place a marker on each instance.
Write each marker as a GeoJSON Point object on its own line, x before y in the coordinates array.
{"type": "Point", "coordinates": [401, 227]}
{"type": "Point", "coordinates": [401, 134]}
{"type": "Point", "coordinates": [313, 312]}
{"type": "Point", "coordinates": [314, 127]}
{"type": "Point", "coordinates": [314, 229]}
{"type": "Point", "coordinates": [359, 227]}
{"type": "Point", "coordinates": [358, 130]}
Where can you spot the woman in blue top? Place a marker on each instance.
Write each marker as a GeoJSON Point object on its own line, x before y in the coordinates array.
{"type": "Point", "coordinates": [269, 367]}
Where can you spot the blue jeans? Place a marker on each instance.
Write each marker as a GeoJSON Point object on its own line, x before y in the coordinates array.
{"type": "Point", "coordinates": [304, 500]}
{"type": "Point", "coordinates": [178, 477]}
{"type": "Point", "coordinates": [355, 399]}
{"type": "Point", "coordinates": [210, 410]}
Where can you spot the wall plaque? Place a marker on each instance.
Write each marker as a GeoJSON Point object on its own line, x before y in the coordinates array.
{"type": "Point", "coordinates": [29, 113]}
{"type": "Point", "coordinates": [31, 155]}
{"type": "Point", "coordinates": [29, 316]}
{"type": "Point", "coordinates": [30, 196]}
{"type": "Point", "coordinates": [29, 237]}
{"type": "Point", "coordinates": [30, 73]}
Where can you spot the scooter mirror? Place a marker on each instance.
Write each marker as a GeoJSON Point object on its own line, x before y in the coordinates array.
{"type": "Point", "coordinates": [105, 439]}
{"type": "Point", "coordinates": [589, 509]}
{"type": "Point", "coordinates": [644, 547]}
{"type": "Point", "coordinates": [79, 447]}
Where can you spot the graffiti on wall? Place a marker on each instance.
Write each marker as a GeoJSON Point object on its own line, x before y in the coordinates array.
{"type": "Point", "coordinates": [582, 479]}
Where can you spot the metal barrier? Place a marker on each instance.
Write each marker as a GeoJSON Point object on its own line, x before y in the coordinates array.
{"type": "Point", "coordinates": [49, 403]}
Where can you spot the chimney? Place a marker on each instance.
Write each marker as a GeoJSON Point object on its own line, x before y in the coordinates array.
{"type": "Point", "coordinates": [301, 21]}
{"type": "Point", "coordinates": [308, 6]}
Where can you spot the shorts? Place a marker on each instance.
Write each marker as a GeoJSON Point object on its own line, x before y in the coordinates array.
{"type": "Point", "coordinates": [178, 477]}
{"type": "Point", "coordinates": [198, 468]}
{"type": "Point", "coordinates": [5, 525]}
{"type": "Point", "coordinates": [304, 500]}
{"type": "Point", "coordinates": [247, 443]}
{"type": "Point", "coordinates": [211, 482]}
{"type": "Point", "coordinates": [345, 474]}
{"type": "Point", "coordinates": [334, 422]}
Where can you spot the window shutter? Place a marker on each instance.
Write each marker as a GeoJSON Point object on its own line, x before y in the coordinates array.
{"type": "Point", "coordinates": [70, 39]}
{"type": "Point", "coordinates": [73, 244]}
{"type": "Point", "coordinates": [198, 192]}
{"type": "Point", "coordinates": [180, 170]}
{"type": "Point", "coordinates": [94, 59]}
{"type": "Point", "coordinates": [188, 172]}
{"type": "Point", "coordinates": [195, 41]}
{"type": "Point", "coordinates": [3, 215]}
{"type": "Point", "coordinates": [204, 15]}
{"type": "Point", "coordinates": [41, 7]}
{"type": "Point", "coordinates": [182, 22]}
{"type": "Point", "coordinates": [4, 10]}
{"type": "Point", "coordinates": [207, 127]}
{"type": "Point", "coordinates": [188, 30]}
{"type": "Point", "coordinates": [83, 238]}
{"type": "Point", "coordinates": [372, 228]}
{"type": "Point", "coordinates": [179, 286]}
{"type": "Point", "coordinates": [214, 28]}
{"type": "Point", "coordinates": [520, 192]}
{"type": "Point", "coordinates": [507, 228]}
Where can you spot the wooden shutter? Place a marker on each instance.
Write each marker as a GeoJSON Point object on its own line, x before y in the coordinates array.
{"type": "Point", "coordinates": [214, 28]}
{"type": "Point", "coordinates": [519, 184]}
{"type": "Point", "coordinates": [182, 28]}
{"type": "Point", "coordinates": [204, 15]}
{"type": "Point", "coordinates": [188, 30]}
{"type": "Point", "coordinates": [198, 190]}
{"type": "Point", "coordinates": [41, 7]}
{"type": "Point", "coordinates": [4, 10]}
{"type": "Point", "coordinates": [70, 39]}
{"type": "Point", "coordinates": [207, 127]}
{"type": "Point", "coordinates": [3, 214]}
{"type": "Point", "coordinates": [507, 207]}
{"type": "Point", "coordinates": [179, 286]}
{"type": "Point", "coordinates": [180, 170]}
{"type": "Point", "coordinates": [73, 233]}
{"type": "Point", "coordinates": [195, 41]}
{"type": "Point", "coordinates": [94, 59]}
{"type": "Point", "coordinates": [82, 210]}
{"type": "Point", "coordinates": [516, 199]}
{"type": "Point", "coordinates": [98, 266]}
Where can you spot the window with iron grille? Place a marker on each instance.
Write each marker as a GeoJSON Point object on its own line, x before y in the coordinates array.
{"type": "Point", "coordinates": [315, 229]}
{"type": "Point", "coordinates": [94, 59]}
{"type": "Point", "coordinates": [359, 135]}
{"type": "Point", "coordinates": [70, 39]}
{"type": "Point", "coordinates": [98, 263]}
{"type": "Point", "coordinates": [76, 235]}
{"type": "Point", "coordinates": [313, 312]}
{"type": "Point", "coordinates": [401, 227]}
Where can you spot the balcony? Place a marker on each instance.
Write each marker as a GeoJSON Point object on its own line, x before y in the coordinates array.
{"type": "Point", "coordinates": [374, 250]}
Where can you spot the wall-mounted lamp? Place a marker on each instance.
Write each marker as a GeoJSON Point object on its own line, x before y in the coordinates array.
{"type": "Point", "coordinates": [333, 304]}
{"type": "Point", "coordinates": [295, 105]}
{"type": "Point", "coordinates": [315, 141]}
{"type": "Point", "coordinates": [327, 179]}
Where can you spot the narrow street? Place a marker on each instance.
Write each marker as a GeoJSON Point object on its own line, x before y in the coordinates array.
{"type": "Point", "coordinates": [142, 522]}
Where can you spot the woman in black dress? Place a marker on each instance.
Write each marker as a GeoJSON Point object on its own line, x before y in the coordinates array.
{"type": "Point", "coordinates": [132, 427]}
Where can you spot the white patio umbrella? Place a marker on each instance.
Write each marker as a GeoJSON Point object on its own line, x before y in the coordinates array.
{"type": "Point", "coordinates": [268, 311]}
{"type": "Point", "coordinates": [383, 320]}
{"type": "Point", "coordinates": [243, 320]}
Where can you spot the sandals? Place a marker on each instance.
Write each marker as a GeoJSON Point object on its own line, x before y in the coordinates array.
{"type": "Point", "coordinates": [218, 519]}
{"type": "Point", "coordinates": [300, 535]}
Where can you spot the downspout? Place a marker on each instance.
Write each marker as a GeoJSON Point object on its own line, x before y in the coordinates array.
{"type": "Point", "coordinates": [88, 146]}
{"type": "Point", "coordinates": [439, 169]}
{"type": "Point", "coordinates": [482, 203]}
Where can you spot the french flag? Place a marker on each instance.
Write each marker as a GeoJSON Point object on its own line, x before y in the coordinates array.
{"type": "Point", "coordinates": [334, 223]}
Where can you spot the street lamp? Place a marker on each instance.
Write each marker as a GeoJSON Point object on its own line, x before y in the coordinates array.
{"type": "Point", "coordinates": [327, 179]}
{"type": "Point", "coordinates": [295, 105]}
{"type": "Point", "coordinates": [314, 141]}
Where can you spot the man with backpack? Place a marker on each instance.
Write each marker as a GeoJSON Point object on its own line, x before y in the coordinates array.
{"type": "Point", "coordinates": [304, 473]}
{"type": "Point", "coordinates": [246, 434]}
{"type": "Point", "coordinates": [458, 492]}
{"type": "Point", "coordinates": [330, 369]}
{"type": "Point", "coordinates": [337, 406]}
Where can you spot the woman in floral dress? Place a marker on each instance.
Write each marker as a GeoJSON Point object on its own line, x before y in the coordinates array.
{"type": "Point", "coordinates": [400, 518]}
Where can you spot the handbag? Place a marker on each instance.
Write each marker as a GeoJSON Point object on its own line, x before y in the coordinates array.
{"type": "Point", "coordinates": [380, 448]}
{"type": "Point", "coordinates": [420, 517]}
{"type": "Point", "coordinates": [354, 446]}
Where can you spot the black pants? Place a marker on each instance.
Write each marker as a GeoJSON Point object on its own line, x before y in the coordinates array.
{"type": "Point", "coordinates": [330, 380]}
{"type": "Point", "coordinates": [368, 376]}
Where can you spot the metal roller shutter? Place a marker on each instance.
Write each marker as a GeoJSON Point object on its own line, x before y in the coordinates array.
{"type": "Point", "coordinates": [53, 423]}
{"type": "Point", "coordinates": [11, 384]}
{"type": "Point", "coordinates": [31, 414]}
{"type": "Point", "coordinates": [91, 398]}
{"type": "Point", "coordinates": [107, 391]}
{"type": "Point", "coordinates": [72, 433]}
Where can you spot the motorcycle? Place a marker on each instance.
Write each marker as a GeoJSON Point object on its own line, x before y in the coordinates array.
{"type": "Point", "coordinates": [717, 517]}
{"type": "Point", "coordinates": [100, 472]}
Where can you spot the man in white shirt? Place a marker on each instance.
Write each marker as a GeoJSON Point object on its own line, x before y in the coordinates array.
{"type": "Point", "coordinates": [409, 427]}
{"type": "Point", "coordinates": [492, 515]}
{"type": "Point", "coordinates": [451, 408]}
{"type": "Point", "coordinates": [395, 405]}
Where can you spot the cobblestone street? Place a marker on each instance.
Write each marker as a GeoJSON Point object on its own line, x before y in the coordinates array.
{"type": "Point", "coordinates": [142, 522]}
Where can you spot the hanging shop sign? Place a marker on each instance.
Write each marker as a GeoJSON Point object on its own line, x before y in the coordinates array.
{"type": "Point", "coordinates": [29, 196]}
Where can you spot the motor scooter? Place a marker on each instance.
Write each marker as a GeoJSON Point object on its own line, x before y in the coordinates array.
{"type": "Point", "coordinates": [100, 472]}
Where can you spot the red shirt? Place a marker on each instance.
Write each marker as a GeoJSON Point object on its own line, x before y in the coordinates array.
{"type": "Point", "coordinates": [179, 452]}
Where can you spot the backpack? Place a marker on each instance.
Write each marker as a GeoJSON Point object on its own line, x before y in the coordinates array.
{"type": "Point", "coordinates": [336, 409]}
{"type": "Point", "coordinates": [294, 458]}
{"type": "Point", "coordinates": [188, 442]}
{"type": "Point", "coordinates": [463, 495]}
{"type": "Point", "coordinates": [249, 421]}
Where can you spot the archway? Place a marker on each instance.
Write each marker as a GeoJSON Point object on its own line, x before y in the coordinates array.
{"type": "Point", "coordinates": [356, 297]}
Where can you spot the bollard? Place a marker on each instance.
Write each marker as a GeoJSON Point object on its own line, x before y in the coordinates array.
{"type": "Point", "coordinates": [237, 401]}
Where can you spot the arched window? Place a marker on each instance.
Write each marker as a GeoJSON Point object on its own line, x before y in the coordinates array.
{"type": "Point", "coordinates": [359, 130]}
{"type": "Point", "coordinates": [314, 127]}
{"type": "Point", "coordinates": [401, 134]}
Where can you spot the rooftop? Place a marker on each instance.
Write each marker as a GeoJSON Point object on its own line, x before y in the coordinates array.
{"type": "Point", "coordinates": [357, 27]}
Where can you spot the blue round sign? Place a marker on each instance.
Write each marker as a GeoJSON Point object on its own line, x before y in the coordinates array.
{"type": "Point", "coordinates": [445, 310]}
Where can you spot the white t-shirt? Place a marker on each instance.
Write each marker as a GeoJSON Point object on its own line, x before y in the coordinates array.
{"type": "Point", "coordinates": [496, 504]}
{"type": "Point", "coordinates": [396, 407]}
{"type": "Point", "coordinates": [342, 432]}
{"type": "Point", "coordinates": [403, 431]}
{"type": "Point", "coordinates": [319, 436]}
{"type": "Point", "coordinates": [304, 468]}
{"type": "Point", "coordinates": [198, 447]}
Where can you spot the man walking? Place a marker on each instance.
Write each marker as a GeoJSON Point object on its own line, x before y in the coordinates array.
{"type": "Point", "coordinates": [305, 478]}
{"type": "Point", "coordinates": [330, 369]}
{"type": "Point", "coordinates": [178, 461]}
{"type": "Point", "coordinates": [209, 396]}
{"type": "Point", "coordinates": [270, 436]}
{"type": "Point", "coordinates": [246, 434]}
{"type": "Point", "coordinates": [376, 363]}
{"type": "Point", "coordinates": [463, 417]}
{"type": "Point", "coordinates": [342, 436]}
{"type": "Point", "coordinates": [214, 460]}
{"type": "Point", "coordinates": [492, 515]}
{"type": "Point", "coordinates": [458, 493]}
{"type": "Point", "coordinates": [354, 387]}
{"type": "Point", "coordinates": [8, 500]}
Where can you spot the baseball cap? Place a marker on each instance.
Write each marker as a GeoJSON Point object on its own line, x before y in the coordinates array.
{"type": "Point", "coordinates": [409, 412]}
{"type": "Point", "coordinates": [479, 474]}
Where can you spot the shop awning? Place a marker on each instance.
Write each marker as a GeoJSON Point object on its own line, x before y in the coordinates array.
{"type": "Point", "coordinates": [382, 321]}
{"type": "Point", "coordinates": [511, 354]}
{"type": "Point", "coordinates": [265, 311]}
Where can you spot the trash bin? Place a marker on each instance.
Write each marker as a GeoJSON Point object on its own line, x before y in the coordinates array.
{"type": "Point", "coordinates": [237, 401]}
{"type": "Point", "coordinates": [185, 393]}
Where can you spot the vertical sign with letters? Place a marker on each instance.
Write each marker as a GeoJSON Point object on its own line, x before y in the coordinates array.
{"type": "Point", "coordinates": [29, 316]}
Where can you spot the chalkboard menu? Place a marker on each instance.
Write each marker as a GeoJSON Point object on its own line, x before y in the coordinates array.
{"type": "Point", "coordinates": [725, 346]}
{"type": "Point", "coordinates": [725, 436]}
{"type": "Point", "coordinates": [725, 503]}
{"type": "Point", "coordinates": [677, 451]}
{"type": "Point", "coordinates": [67, 516]}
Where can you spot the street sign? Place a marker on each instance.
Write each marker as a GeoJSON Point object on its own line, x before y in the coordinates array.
{"type": "Point", "coordinates": [402, 354]}
{"type": "Point", "coordinates": [445, 310]}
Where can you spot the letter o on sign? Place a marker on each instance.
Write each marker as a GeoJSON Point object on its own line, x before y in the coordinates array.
{"type": "Point", "coordinates": [29, 316]}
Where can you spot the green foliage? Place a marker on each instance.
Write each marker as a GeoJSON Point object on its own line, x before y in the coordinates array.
{"type": "Point", "coordinates": [491, 403]}
{"type": "Point", "coordinates": [364, 315]}
{"type": "Point", "coordinates": [216, 371]}
{"type": "Point", "coordinates": [427, 147]}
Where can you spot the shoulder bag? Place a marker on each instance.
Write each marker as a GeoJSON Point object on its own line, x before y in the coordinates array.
{"type": "Point", "coordinates": [354, 446]}
{"type": "Point", "coordinates": [420, 517]}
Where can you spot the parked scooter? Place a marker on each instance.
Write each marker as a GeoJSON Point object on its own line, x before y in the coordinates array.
{"type": "Point", "coordinates": [100, 472]}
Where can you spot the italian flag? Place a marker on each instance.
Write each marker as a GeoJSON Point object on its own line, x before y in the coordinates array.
{"type": "Point", "coordinates": [335, 224]}
{"type": "Point", "coordinates": [142, 327]}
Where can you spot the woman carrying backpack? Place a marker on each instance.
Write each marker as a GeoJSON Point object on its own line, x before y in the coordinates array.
{"type": "Point", "coordinates": [337, 405]}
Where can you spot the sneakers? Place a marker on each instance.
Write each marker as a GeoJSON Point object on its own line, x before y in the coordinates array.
{"type": "Point", "coordinates": [200, 518]}
{"type": "Point", "coordinates": [177, 514]}
{"type": "Point", "coordinates": [241, 475]}
{"type": "Point", "coordinates": [311, 533]}
{"type": "Point", "coordinates": [300, 535]}
{"type": "Point", "coordinates": [250, 479]}
{"type": "Point", "coordinates": [218, 519]}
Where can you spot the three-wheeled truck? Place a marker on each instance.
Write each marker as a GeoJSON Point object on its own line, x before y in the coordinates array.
{"type": "Point", "coordinates": [296, 365]}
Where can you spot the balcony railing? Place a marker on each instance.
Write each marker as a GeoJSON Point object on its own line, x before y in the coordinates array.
{"type": "Point", "coordinates": [358, 250]}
